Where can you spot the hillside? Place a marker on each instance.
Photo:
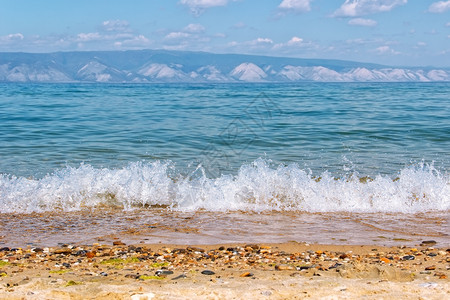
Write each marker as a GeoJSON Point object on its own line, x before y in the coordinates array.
{"type": "Point", "coordinates": [142, 66]}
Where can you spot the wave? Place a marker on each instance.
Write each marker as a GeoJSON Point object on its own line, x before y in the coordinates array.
{"type": "Point", "coordinates": [258, 186]}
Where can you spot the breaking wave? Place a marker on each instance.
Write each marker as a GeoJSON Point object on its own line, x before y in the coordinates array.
{"type": "Point", "coordinates": [259, 186]}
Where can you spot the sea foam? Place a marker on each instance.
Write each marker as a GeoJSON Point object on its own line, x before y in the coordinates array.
{"type": "Point", "coordinates": [258, 186]}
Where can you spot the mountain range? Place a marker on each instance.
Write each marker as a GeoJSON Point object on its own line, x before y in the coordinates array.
{"type": "Point", "coordinates": [146, 66]}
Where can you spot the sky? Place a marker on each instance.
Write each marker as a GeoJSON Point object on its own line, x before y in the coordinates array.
{"type": "Point", "coordinates": [391, 32]}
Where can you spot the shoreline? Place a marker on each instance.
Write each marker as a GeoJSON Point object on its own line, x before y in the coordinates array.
{"type": "Point", "coordinates": [158, 225]}
{"type": "Point", "coordinates": [224, 271]}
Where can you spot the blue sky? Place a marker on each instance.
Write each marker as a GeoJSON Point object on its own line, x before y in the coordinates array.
{"type": "Point", "coordinates": [394, 32]}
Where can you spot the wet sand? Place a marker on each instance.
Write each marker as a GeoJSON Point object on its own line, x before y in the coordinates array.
{"type": "Point", "coordinates": [225, 271]}
{"type": "Point", "coordinates": [159, 225]}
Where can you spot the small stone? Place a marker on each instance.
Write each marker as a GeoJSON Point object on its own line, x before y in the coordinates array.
{"type": "Point", "coordinates": [246, 274]}
{"type": "Point", "coordinates": [179, 277]}
{"type": "Point", "coordinates": [147, 296]}
{"type": "Point", "coordinates": [90, 254]}
{"type": "Point", "coordinates": [430, 268]}
{"type": "Point", "coordinates": [133, 276]}
{"type": "Point", "coordinates": [80, 253]}
{"type": "Point", "coordinates": [179, 251]}
{"type": "Point", "coordinates": [66, 265]}
{"type": "Point", "coordinates": [252, 246]}
{"type": "Point", "coordinates": [385, 260]}
{"type": "Point", "coordinates": [428, 243]}
{"type": "Point", "coordinates": [408, 257]}
{"type": "Point", "coordinates": [163, 273]}
{"type": "Point", "coordinates": [336, 265]}
{"type": "Point", "coordinates": [195, 249]}
{"type": "Point", "coordinates": [65, 251]}
{"type": "Point", "coordinates": [103, 274]}
{"type": "Point", "coordinates": [284, 267]}
{"type": "Point", "coordinates": [118, 243]}
{"type": "Point", "coordinates": [208, 272]}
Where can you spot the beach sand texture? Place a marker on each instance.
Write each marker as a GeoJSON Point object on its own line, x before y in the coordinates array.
{"type": "Point", "coordinates": [230, 271]}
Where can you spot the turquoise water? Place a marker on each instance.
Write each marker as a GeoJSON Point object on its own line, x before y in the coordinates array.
{"type": "Point", "coordinates": [73, 145]}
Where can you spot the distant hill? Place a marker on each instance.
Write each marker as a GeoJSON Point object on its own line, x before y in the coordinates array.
{"type": "Point", "coordinates": [142, 66]}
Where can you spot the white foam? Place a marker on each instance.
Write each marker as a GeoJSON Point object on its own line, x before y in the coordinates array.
{"type": "Point", "coordinates": [256, 187]}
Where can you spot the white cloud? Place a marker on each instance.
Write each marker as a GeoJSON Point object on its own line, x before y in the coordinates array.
{"type": "Point", "coordinates": [87, 37]}
{"type": "Point", "coordinates": [295, 41]}
{"type": "Point", "coordinates": [177, 35]}
{"type": "Point", "coordinates": [421, 44]}
{"type": "Point", "coordinates": [99, 40]}
{"type": "Point", "coordinates": [191, 30]}
{"type": "Point", "coordinates": [362, 22]}
{"type": "Point", "coordinates": [204, 3]}
{"type": "Point", "coordinates": [261, 41]}
{"type": "Point", "coordinates": [198, 6]}
{"type": "Point", "coordinates": [296, 5]}
{"type": "Point", "coordinates": [293, 45]}
{"type": "Point", "coordinates": [116, 25]}
{"type": "Point", "coordinates": [355, 8]}
{"type": "Point", "coordinates": [448, 24]}
{"type": "Point", "coordinates": [194, 28]}
{"type": "Point", "coordinates": [439, 7]}
{"type": "Point", "coordinates": [11, 37]}
{"type": "Point", "coordinates": [386, 50]}
{"type": "Point", "coordinates": [138, 41]}
{"type": "Point", "coordinates": [256, 45]}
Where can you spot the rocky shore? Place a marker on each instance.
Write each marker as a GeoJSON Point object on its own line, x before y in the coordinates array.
{"type": "Point", "coordinates": [273, 271]}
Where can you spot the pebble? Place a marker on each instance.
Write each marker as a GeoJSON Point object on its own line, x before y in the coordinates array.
{"type": "Point", "coordinates": [99, 259]}
{"type": "Point", "coordinates": [195, 249]}
{"type": "Point", "coordinates": [246, 274]}
{"type": "Point", "coordinates": [428, 243]}
{"type": "Point", "coordinates": [163, 273]}
{"type": "Point", "coordinates": [408, 257]}
{"type": "Point", "coordinates": [336, 265]}
{"type": "Point", "coordinates": [65, 251]}
{"type": "Point", "coordinates": [284, 267]}
{"type": "Point", "coordinates": [385, 260]}
{"type": "Point", "coordinates": [208, 272]}
{"type": "Point", "coordinates": [147, 296]}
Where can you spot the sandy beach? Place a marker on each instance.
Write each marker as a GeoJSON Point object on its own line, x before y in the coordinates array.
{"type": "Point", "coordinates": [230, 271]}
